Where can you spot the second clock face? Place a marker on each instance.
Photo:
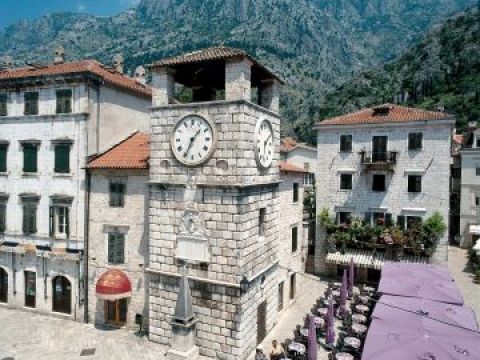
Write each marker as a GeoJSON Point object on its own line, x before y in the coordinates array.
{"type": "Point", "coordinates": [264, 143]}
{"type": "Point", "coordinates": [193, 140]}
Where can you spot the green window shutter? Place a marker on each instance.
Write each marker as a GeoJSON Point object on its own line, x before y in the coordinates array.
{"type": "Point", "coordinates": [62, 158]}
{"type": "Point", "coordinates": [31, 103]}
{"type": "Point", "coordinates": [3, 105]}
{"type": "Point", "coordinates": [111, 248]}
{"type": "Point", "coordinates": [52, 221]}
{"type": "Point", "coordinates": [116, 248]}
{"type": "Point", "coordinates": [67, 222]}
{"type": "Point", "coordinates": [29, 225]}
{"type": "Point", "coordinates": [64, 101]}
{"type": "Point", "coordinates": [3, 218]}
{"type": "Point", "coordinates": [3, 157]}
{"type": "Point", "coordinates": [30, 158]}
{"type": "Point", "coordinates": [120, 249]}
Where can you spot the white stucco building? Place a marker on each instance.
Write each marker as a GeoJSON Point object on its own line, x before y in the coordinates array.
{"type": "Point", "coordinates": [301, 155]}
{"type": "Point", "coordinates": [388, 162]}
{"type": "Point", "coordinates": [52, 118]}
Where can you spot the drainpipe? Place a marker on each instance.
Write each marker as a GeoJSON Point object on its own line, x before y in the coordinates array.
{"type": "Point", "coordinates": [86, 256]}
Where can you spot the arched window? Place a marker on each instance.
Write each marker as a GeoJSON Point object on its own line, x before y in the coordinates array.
{"type": "Point", "coordinates": [3, 286]}
{"type": "Point", "coordinates": [62, 295]}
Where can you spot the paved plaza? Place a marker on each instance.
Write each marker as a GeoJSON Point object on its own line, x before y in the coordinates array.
{"type": "Point", "coordinates": [28, 336]}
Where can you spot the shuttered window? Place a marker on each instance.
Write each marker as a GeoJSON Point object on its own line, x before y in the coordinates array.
{"type": "Point", "coordinates": [116, 248]}
{"type": "Point", "coordinates": [294, 239]}
{"type": "Point", "coordinates": [62, 158]}
{"type": "Point", "coordinates": [117, 194]}
{"type": "Point", "coordinates": [3, 217]}
{"type": "Point", "coordinates": [29, 217]}
{"type": "Point", "coordinates": [30, 158]}
{"type": "Point", "coordinates": [31, 103]}
{"type": "Point", "coordinates": [60, 222]}
{"type": "Point", "coordinates": [401, 222]}
{"type": "Point", "coordinates": [415, 141]}
{"type": "Point", "coordinates": [414, 184]}
{"type": "Point", "coordinates": [3, 104]}
{"type": "Point", "coordinates": [3, 157]}
{"type": "Point", "coordinates": [64, 101]}
{"type": "Point", "coordinates": [346, 181]}
{"type": "Point", "coordinates": [346, 143]}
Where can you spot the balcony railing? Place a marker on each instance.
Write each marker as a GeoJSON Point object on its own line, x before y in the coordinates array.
{"type": "Point", "coordinates": [379, 159]}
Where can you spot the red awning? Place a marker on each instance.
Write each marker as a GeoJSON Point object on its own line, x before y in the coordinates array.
{"type": "Point", "coordinates": [112, 285]}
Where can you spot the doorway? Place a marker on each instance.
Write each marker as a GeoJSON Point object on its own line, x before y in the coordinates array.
{"type": "Point", "coordinates": [261, 322]}
{"type": "Point", "coordinates": [30, 289]}
{"type": "Point", "coordinates": [379, 148]}
{"type": "Point", "coordinates": [116, 312]}
{"type": "Point", "coordinates": [62, 295]}
{"type": "Point", "coordinates": [3, 286]}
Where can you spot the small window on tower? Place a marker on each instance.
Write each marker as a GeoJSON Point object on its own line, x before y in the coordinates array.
{"type": "Point", "coordinates": [261, 221]}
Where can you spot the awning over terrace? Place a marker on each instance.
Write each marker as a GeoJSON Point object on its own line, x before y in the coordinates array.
{"type": "Point", "coordinates": [365, 259]}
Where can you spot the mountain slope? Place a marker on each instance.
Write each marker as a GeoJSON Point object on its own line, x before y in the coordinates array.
{"type": "Point", "coordinates": [443, 70]}
{"type": "Point", "coordinates": [314, 44]}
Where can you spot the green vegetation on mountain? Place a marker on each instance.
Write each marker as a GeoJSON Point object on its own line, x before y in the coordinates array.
{"type": "Point", "coordinates": [441, 72]}
{"type": "Point", "coordinates": [315, 45]}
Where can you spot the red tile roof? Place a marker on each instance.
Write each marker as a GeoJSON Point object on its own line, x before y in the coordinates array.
{"type": "Point", "coordinates": [287, 167]}
{"type": "Point", "coordinates": [287, 144]}
{"type": "Point", "coordinates": [386, 113]}
{"type": "Point", "coordinates": [131, 153]}
{"type": "Point", "coordinates": [110, 76]}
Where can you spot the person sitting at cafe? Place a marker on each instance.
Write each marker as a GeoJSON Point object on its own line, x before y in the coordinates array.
{"type": "Point", "coordinates": [277, 351]}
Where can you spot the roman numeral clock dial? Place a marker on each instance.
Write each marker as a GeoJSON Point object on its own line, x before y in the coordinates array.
{"type": "Point", "coordinates": [193, 140]}
{"type": "Point", "coordinates": [264, 144]}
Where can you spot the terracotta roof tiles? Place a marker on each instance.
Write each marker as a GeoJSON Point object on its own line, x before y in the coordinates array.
{"type": "Point", "coordinates": [288, 167]}
{"type": "Point", "coordinates": [131, 153]}
{"type": "Point", "coordinates": [387, 113]}
{"type": "Point", "coordinates": [110, 76]}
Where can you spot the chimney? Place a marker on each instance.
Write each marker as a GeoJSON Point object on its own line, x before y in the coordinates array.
{"type": "Point", "coordinates": [6, 63]}
{"type": "Point", "coordinates": [118, 63]}
{"type": "Point", "coordinates": [59, 56]}
{"type": "Point", "coordinates": [140, 75]}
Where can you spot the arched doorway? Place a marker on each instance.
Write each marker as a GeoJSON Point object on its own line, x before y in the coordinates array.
{"type": "Point", "coordinates": [62, 295]}
{"type": "Point", "coordinates": [3, 286]}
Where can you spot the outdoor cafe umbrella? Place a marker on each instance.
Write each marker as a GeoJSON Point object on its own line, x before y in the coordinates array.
{"type": "Point", "coordinates": [330, 336]}
{"type": "Point", "coordinates": [351, 277]}
{"type": "Point", "coordinates": [401, 335]}
{"type": "Point", "coordinates": [312, 339]}
{"type": "Point", "coordinates": [343, 294]}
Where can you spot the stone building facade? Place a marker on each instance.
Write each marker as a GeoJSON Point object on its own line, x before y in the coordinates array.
{"type": "Point", "coordinates": [365, 165]}
{"type": "Point", "coordinates": [225, 208]}
{"type": "Point", "coordinates": [51, 119]}
{"type": "Point", "coordinates": [118, 230]}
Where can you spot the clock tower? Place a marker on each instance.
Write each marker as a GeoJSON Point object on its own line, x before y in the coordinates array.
{"type": "Point", "coordinates": [214, 198]}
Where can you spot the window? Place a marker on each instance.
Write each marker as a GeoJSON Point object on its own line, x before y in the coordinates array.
{"type": "Point", "coordinates": [379, 149]}
{"type": "Point", "coordinates": [415, 141]}
{"type": "Point", "coordinates": [294, 239]}
{"type": "Point", "coordinates": [346, 143]}
{"type": "Point", "coordinates": [117, 194]}
{"type": "Point", "coordinates": [280, 296]}
{"type": "Point", "coordinates": [3, 104]}
{"type": "Point", "coordinates": [309, 179]}
{"type": "Point", "coordinates": [293, 285]}
{"type": "Point", "coordinates": [478, 143]}
{"type": "Point", "coordinates": [378, 182]}
{"type": "Point", "coordinates": [3, 216]}
{"type": "Point", "coordinates": [30, 155]}
{"type": "Point", "coordinates": [116, 248]}
{"type": "Point", "coordinates": [30, 289]}
{"type": "Point", "coordinates": [408, 221]}
{"type": "Point", "coordinates": [477, 203]}
{"type": "Point", "coordinates": [3, 157]}
{"type": "Point", "coordinates": [346, 181]}
{"type": "Point", "coordinates": [64, 101]}
{"type": "Point", "coordinates": [414, 183]}
{"type": "Point", "coordinates": [29, 224]}
{"type": "Point", "coordinates": [62, 158]}
{"type": "Point", "coordinates": [296, 188]}
{"type": "Point", "coordinates": [261, 221]}
{"type": "Point", "coordinates": [60, 221]}
{"type": "Point", "coordinates": [343, 217]}
{"type": "Point", "coordinates": [31, 103]}
{"type": "Point", "coordinates": [477, 171]}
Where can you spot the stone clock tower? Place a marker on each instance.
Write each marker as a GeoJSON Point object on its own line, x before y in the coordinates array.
{"type": "Point", "coordinates": [214, 198]}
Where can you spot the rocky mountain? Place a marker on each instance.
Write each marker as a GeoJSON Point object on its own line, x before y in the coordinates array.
{"type": "Point", "coordinates": [441, 72]}
{"type": "Point", "coordinates": [315, 45]}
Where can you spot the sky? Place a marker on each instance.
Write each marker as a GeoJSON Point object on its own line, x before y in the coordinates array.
{"type": "Point", "coordinates": [15, 10]}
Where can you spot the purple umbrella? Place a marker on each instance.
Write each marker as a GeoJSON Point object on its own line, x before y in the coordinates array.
{"type": "Point", "coordinates": [312, 339]}
{"type": "Point", "coordinates": [343, 294]}
{"type": "Point", "coordinates": [351, 277]}
{"type": "Point", "coordinates": [330, 338]}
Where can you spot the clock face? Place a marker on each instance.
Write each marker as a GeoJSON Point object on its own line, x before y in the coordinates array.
{"type": "Point", "coordinates": [193, 140]}
{"type": "Point", "coordinates": [264, 143]}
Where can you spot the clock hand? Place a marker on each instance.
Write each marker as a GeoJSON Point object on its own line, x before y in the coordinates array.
{"type": "Point", "coordinates": [192, 140]}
